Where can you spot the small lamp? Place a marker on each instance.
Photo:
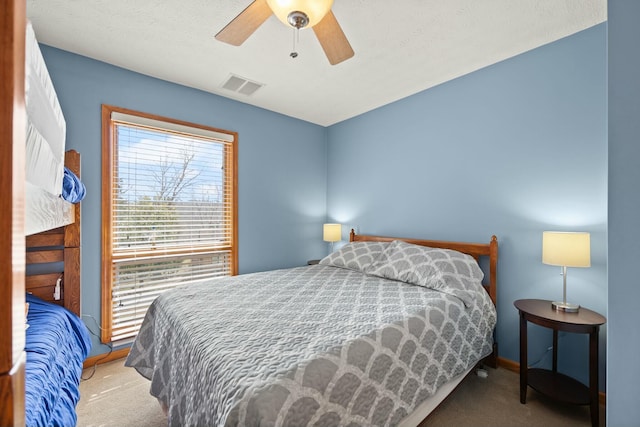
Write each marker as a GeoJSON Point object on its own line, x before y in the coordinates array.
{"type": "Point", "coordinates": [566, 249]}
{"type": "Point", "coordinates": [332, 233]}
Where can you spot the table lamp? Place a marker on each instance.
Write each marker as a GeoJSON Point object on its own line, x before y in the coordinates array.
{"type": "Point", "coordinates": [566, 249]}
{"type": "Point", "coordinates": [332, 233]}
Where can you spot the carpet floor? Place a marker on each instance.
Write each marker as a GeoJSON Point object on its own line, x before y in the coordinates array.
{"type": "Point", "coordinates": [118, 396]}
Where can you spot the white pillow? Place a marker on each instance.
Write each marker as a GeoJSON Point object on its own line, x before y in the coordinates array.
{"type": "Point", "coordinates": [444, 270]}
{"type": "Point", "coordinates": [355, 255]}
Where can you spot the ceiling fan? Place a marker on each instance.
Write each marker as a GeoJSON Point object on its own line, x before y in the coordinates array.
{"type": "Point", "coordinates": [298, 14]}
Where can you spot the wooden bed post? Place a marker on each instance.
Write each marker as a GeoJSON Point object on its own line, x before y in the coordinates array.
{"type": "Point", "coordinates": [72, 245]}
{"type": "Point", "coordinates": [493, 269]}
{"type": "Point", "coordinates": [492, 359]}
{"type": "Point", "coordinates": [12, 223]}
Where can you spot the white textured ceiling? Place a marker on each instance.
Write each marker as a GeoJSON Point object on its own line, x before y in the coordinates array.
{"type": "Point", "coordinates": [401, 47]}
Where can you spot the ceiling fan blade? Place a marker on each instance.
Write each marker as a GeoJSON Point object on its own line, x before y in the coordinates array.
{"type": "Point", "coordinates": [332, 39]}
{"type": "Point", "coordinates": [243, 25]}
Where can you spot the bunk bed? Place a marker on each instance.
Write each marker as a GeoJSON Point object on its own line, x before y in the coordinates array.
{"type": "Point", "coordinates": [57, 341]}
{"type": "Point", "coordinates": [41, 359]}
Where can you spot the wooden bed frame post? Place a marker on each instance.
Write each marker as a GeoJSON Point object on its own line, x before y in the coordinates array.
{"type": "Point", "coordinates": [12, 222]}
{"type": "Point", "coordinates": [72, 245]}
{"type": "Point", "coordinates": [492, 359]}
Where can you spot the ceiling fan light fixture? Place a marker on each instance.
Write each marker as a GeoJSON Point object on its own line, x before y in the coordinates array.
{"type": "Point", "coordinates": [296, 14]}
{"type": "Point", "coordinates": [298, 19]}
{"type": "Point", "coordinates": [314, 10]}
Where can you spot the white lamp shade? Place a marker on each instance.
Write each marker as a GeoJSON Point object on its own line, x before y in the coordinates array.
{"type": "Point", "coordinates": [332, 232]}
{"type": "Point", "coordinates": [314, 9]}
{"type": "Point", "coordinates": [567, 249]}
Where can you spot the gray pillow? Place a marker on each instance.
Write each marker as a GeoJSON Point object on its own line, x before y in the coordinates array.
{"type": "Point", "coordinates": [355, 255]}
{"type": "Point", "coordinates": [444, 270]}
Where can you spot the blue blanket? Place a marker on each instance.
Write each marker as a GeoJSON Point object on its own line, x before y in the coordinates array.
{"type": "Point", "coordinates": [57, 342]}
{"type": "Point", "coordinates": [73, 190]}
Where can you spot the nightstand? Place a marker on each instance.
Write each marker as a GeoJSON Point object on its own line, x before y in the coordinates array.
{"type": "Point", "coordinates": [551, 382]}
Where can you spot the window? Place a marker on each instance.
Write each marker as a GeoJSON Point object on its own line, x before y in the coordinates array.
{"type": "Point", "coordinates": [169, 212]}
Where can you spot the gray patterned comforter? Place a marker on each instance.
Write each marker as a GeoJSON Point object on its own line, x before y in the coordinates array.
{"type": "Point", "coordinates": [308, 346]}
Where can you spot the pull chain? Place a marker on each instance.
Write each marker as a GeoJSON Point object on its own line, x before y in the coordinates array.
{"type": "Point", "coordinates": [296, 38]}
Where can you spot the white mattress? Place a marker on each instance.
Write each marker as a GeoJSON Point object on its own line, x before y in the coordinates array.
{"type": "Point", "coordinates": [46, 127]}
{"type": "Point", "coordinates": [45, 211]}
{"type": "Point", "coordinates": [45, 146]}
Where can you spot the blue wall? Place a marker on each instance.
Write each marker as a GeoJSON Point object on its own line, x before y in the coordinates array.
{"type": "Point", "coordinates": [624, 204]}
{"type": "Point", "coordinates": [280, 217]}
{"type": "Point", "coordinates": [512, 150]}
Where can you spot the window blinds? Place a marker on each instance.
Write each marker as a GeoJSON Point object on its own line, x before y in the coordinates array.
{"type": "Point", "coordinates": [171, 213]}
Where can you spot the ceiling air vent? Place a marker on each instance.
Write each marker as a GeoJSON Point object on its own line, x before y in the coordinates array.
{"type": "Point", "coordinates": [241, 85]}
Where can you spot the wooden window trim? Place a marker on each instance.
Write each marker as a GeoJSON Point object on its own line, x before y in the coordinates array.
{"type": "Point", "coordinates": [108, 150]}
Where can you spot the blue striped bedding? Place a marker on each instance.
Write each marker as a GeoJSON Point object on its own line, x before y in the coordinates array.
{"type": "Point", "coordinates": [57, 342]}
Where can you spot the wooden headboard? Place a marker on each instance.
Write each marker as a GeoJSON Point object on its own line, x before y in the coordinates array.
{"type": "Point", "coordinates": [53, 257]}
{"type": "Point", "coordinates": [476, 250]}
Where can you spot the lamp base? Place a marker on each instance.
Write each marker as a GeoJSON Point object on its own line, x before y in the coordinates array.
{"type": "Point", "coordinates": [565, 306]}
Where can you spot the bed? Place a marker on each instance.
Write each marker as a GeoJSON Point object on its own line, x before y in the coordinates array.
{"type": "Point", "coordinates": [57, 342]}
{"type": "Point", "coordinates": [366, 337]}
{"type": "Point", "coordinates": [48, 342]}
